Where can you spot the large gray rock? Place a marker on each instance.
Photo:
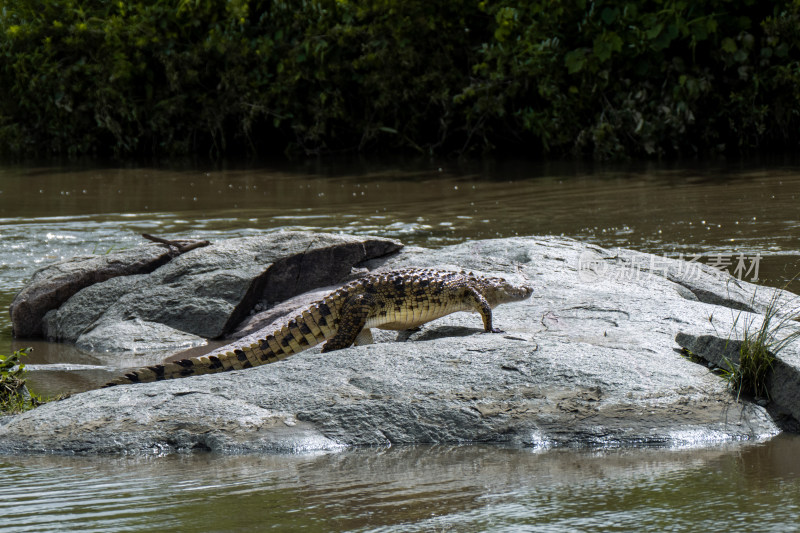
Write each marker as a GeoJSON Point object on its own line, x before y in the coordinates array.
{"type": "Point", "coordinates": [202, 294]}
{"type": "Point", "coordinates": [588, 360]}
{"type": "Point", "coordinates": [76, 316]}
{"type": "Point", "coordinates": [54, 284]}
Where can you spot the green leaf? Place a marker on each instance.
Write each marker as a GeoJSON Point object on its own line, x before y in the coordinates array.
{"type": "Point", "coordinates": [673, 31]}
{"type": "Point", "coordinates": [699, 31]}
{"type": "Point", "coordinates": [653, 32]}
{"type": "Point", "coordinates": [614, 40]}
{"type": "Point", "coordinates": [606, 44]}
{"type": "Point", "coordinates": [729, 45]}
{"type": "Point", "coordinates": [609, 15]}
{"type": "Point", "coordinates": [574, 60]}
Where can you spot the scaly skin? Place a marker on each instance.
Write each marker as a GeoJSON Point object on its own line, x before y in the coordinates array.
{"type": "Point", "coordinates": [397, 300]}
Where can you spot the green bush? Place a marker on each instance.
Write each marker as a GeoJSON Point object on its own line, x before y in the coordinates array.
{"type": "Point", "coordinates": [609, 78]}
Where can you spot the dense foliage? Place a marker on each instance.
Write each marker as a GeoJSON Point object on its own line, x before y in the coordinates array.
{"type": "Point", "coordinates": [610, 78]}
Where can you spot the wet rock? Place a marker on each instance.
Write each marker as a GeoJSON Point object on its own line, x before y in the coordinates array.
{"type": "Point", "coordinates": [204, 293]}
{"type": "Point", "coordinates": [54, 284]}
{"type": "Point", "coordinates": [588, 360]}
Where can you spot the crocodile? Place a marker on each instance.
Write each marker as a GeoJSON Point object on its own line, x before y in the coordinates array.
{"type": "Point", "coordinates": [395, 300]}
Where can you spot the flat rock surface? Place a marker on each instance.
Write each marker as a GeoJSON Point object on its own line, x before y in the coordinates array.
{"type": "Point", "coordinates": [590, 359]}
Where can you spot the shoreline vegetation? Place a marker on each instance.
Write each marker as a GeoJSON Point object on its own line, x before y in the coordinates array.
{"type": "Point", "coordinates": [607, 79]}
{"type": "Point", "coordinates": [14, 394]}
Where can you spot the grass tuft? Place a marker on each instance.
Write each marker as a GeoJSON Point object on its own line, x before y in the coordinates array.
{"type": "Point", "coordinates": [14, 395]}
{"type": "Point", "coordinates": [760, 345]}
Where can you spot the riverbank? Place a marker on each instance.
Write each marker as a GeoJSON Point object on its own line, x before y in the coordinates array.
{"type": "Point", "coordinates": [591, 359]}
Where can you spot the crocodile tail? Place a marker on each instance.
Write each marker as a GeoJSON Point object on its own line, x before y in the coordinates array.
{"type": "Point", "coordinates": [312, 326]}
{"type": "Point", "coordinates": [245, 357]}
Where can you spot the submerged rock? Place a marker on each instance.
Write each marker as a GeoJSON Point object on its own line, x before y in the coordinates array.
{"type": "Point", "coordinates": [590, 359]}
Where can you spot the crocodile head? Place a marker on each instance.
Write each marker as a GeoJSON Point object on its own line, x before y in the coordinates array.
{"type": "Point", "coordinates": [501, 291]}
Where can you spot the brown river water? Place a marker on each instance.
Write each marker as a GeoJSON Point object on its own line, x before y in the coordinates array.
{"type": "Point", "coordinates": [745, 214]}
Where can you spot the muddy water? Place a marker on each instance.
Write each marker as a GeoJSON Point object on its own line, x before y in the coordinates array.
{"type": "Point", "coordinates": [51, 212]}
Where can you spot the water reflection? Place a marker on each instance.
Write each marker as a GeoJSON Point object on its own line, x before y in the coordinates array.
{"type": "Point", "coordinates": [418, 488]}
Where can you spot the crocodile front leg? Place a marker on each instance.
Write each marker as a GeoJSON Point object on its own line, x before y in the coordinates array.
{"type": "Point", "coordinates": [479, 303]}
